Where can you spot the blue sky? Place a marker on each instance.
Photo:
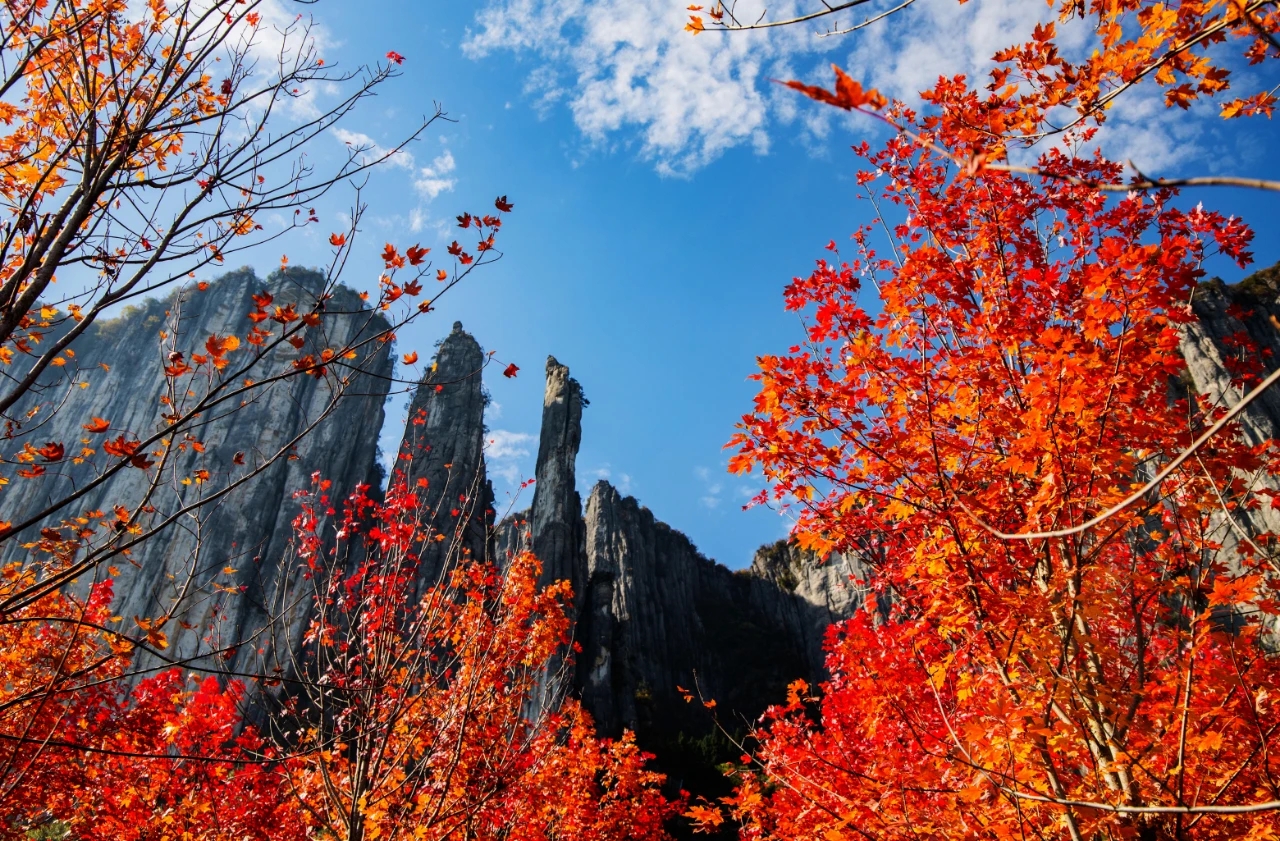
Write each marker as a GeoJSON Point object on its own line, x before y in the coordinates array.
{"type": "Point", "coordinates": [665, 192]}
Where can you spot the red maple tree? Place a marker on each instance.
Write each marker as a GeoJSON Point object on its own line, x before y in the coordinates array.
{"type": "Point", "coordinates": [1078, 642]}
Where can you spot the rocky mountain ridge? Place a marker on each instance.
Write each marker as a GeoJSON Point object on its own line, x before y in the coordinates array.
{"type": "Point", "coordinates": [651, 614]}
{"type": "Point", "coordinates": [653, 617]}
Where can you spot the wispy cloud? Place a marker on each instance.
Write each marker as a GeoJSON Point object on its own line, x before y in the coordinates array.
{"type": "Point", "coordinates": [711, 489]}
{"type": "Point", "coordinates": [636, 83]}
{"type": "Point", "coordinates": [622, 482]}
{"type": "Point", "coordinates": [501, 444]}
{"type": "Point", "coordinates": [628, 72]}
{"type": "Point", "coordinates": [369, 150]}
{"type": "Point", "coordinates": [506, 454]}
{"type": "Point", "coordinates": [432, 180]}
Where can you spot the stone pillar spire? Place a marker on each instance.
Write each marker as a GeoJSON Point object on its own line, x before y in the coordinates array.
{"type": "Point", "coordinates": [556, 516]}
{"type": "Point", "coordinates": [555, 519]}
{"type": "Point", "coordinates": [443, 444]}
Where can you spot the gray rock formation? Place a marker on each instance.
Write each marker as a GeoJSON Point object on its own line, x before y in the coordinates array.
{"type": "Point", "coordinates": [795, 590]}
{"type": "Point", "coordinates": [555, 517]}
{"type": "Point", "coordinates": [216, 571]}
{"type": "Point", "coordinates": [443, 445]}
{"type": "Point", "coordinates": [1212, 346]}
{"type": "Point", "coordinates": [658, 616]}
{"type": "Point", "coordinates": [653, 615]}
{"type": "Point", "coordinates": [1236, 330]}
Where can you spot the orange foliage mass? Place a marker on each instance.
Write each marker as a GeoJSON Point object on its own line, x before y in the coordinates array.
{"type": "Point", "coordinates": [1010, 367]}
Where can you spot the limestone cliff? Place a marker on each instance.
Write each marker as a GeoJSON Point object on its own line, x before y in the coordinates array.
{"type": "Point", "coordinates": [657, 616]}
{"type": "Point", "coordinates": [556, 515]}
{"type": "Point", "coordinates": [1237, 327]}
{"type": "Point", "coordinates": [804, 595]}
{"type": "Point", "coordinates": [1228, 317]}
{"type": "Point", "coordinates": [443, 447]}
{"type": "Point", "coordinates": [652, 613]}
{"type": "Point", "coordinates": [186, 565]}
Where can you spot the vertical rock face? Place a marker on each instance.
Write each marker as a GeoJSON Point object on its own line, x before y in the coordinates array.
{"type": "Point", "coordinates": [555, 518]}
{"type": "Point", "coordinates": [443, 445]}
{"type": "Point", "coordinates": [638, 611]}
{"type": "Point", "coordinates": [511, 536]}
{"type": "Point", "coordinates": [221, 565]}
{"type": "Point", "coordinates": [1235, 328]}
{"type": "Point", "coordinates": [1211, 344]}
{"type": "Point", "coordinates": [658, 616]}
{"type": "Point", "coordinates": [652, 614]}
{"type": "Point", "coordinates": [804, 595]}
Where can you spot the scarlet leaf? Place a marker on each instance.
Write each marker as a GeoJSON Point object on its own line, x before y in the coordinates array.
{"type": "Point", "coordinates": [121, 447]}
{"type": "Point", "coordinates": [848, 93]}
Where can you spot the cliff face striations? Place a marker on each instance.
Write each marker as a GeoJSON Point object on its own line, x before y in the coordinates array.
{"type": "Point", "coordinates": [1236, 321]}
{"type": "Point", "coordinates": [796, 591]}
{"type": "Point", "coordinates": [653, 615]}
{"type": "Point", "coordinates": [658, 616]}
{"type": "Point", "coordinates": [1235, 324]}
{"type": "Point", "coordinates": [443, 446]}
{"type": "Point", "coordinates": [182, 572]}
{"type": "Point", "coordinates": [556, 515]}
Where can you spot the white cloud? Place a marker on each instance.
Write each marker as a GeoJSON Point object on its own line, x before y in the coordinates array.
{"type": "Point", "coordinates": [369, 150]}
{"type": "Point", "coordinates": [280, 38]}
{"type": "Point", "coordinates": [544, 90]}
{"type": "Point", "coordinates": [622, 483]}
{"type": "Point", "coordinates": [420, 220]}
{"type": "Point", "coordinates": [1155, 138]}
{"type": "Point", "coordinates": [589, 475]}
{"type": "Point", "coordinates": [501, 444]}
{"type": "Point", "coordinates": [711, 491]}
{"type": "Point", "coordinates": [636, 83]}
{"type": "Point", "coordinates": [431, 180]}
{"type": "Point", "coordinates": [504, 452]}
{"type": "Point", "coordinates": [627, 69]}
{"type": "Point", "coordinates": [509, 473]}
